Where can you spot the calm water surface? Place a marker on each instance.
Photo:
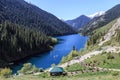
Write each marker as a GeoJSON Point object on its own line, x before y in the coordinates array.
{"type": "Point", "coordinates": [65, 45]}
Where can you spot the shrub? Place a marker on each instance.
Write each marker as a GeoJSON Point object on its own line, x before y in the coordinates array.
{"type": "Point", "coordinates": [28, 68]}
{"type": "Point", "coordinates": [44, 75]}
{"type": "Point", "coordinates": [104, 61]}
{"type": "Point", "coordinates": [110, 56]}
{"type": "Point", "coordinates": [6, 72]}
{"type": "Point", "coordinates": [35, 69]}
{"type": "Point", "coordinates": [41, 70]}
{"type": "Point", "coordinates": [115, 73]}
{"type": "Point", "coordinates": [74, 53]}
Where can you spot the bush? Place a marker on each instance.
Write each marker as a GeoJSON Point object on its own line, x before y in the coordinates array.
{"type": "Point", "coordinates": [6, 72]}
{"type": "Point", "coordinates": [41, 70]}
{"type": "Point", "coordinates": [104, 52]}
{"type": "Point", "coordinates": [44, 75]}
{"type": "Point", "coordinates": [115, 73]}
{"type": "Point", "coordinates": [35, 69]}
{"type": "Point", "coordinates": [28, 68]}
{"type": "Point", "coordinates": [110, 56]}
{"type": "Point", "coordinates": [74, 53]}
{"type": "Point", "coordinates": [70, 56]}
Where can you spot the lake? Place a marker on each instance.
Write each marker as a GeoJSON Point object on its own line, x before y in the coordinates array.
{"type": "Point", "coordinates": [64, 47]}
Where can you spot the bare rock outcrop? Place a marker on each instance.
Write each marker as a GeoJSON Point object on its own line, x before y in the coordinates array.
{"type": "Point", "coordinates": [111, 32]}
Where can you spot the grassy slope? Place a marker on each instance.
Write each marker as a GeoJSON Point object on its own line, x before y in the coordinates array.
{"type": "Point", "coordinates": [102, 30]}
{"type": "Point", "coordinates": [75, 67]}
{"type": "Point", "coordinates": [87, 76]}
{"type": "Point", "coordinates": [102, 58]}
{"type": "Point", "coordinates": [114, 63]}
{"type": "Point", "coordinates": [105, 28]}
{"type": "Point", "coordinates": [104, 62]}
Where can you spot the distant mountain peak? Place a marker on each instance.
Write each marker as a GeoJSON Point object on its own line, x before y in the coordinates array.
{"type": "Point", "coordinates": [82, 16]}
{"type": "Point", "coordinates": [102, 20]}
{"type": "Point", "coordinates": [78, 22]}
{"type": "Point", "coordinates": [97, 14]}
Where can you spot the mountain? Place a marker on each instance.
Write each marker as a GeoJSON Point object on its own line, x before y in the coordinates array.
{"type": "Point", "coordinates": [25, 30]}
{"type": "Point", "coordinates": [102, 20]}
{"type": "Point", "coordinates": [78, 22]}
{"type": "Point", "coordinates": [83, 20]}
{"type": "Point", "coordinates": [97, 14]}
{"type": "Point", "coordinates": [23, 13]}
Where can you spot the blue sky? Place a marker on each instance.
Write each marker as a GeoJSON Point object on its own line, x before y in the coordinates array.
{"type": "Point", "coordinates": [70, 9]}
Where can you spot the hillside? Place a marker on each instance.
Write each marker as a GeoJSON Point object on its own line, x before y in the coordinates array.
{"type": "Point", "coordinates": [78, 22]}
{"type": "Point", "coordinates": [100, 21]}
{"type": "Point", "coordinates": [25, 30]}
{"type": "Point", "coordinates": [106, 35]}
{"type": "Point", "coordinates": [23, 13]}
{"type": "Point", "coordinates": [102, 53]}
{"type": "Point", "coordinates": [17, 42]}
{"type": "Point", "coordinates": [88, 76]}
{"type": "Point", "coordinates": [99, 64]}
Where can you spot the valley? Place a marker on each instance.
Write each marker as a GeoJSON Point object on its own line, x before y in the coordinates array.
{"type": "Point", "coordinates": [25, 31]}
{"type": "Point", "coordinates": [36, 44]}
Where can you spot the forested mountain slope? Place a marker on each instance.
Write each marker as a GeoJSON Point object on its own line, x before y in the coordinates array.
{"type": "Point", "coordinates": [23, 13]}
{"type": "Point", "coordinates": [23, 30]}
{"type": "Point", "coordinates": [17, 42]}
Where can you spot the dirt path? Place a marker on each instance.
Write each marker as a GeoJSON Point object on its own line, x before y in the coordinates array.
{"type": "Point", "coordinates": [81, 59]}
{"type": "Point", "coordinates": [90, 54]}
{"type": "Point", "coordinates": [108, 69]}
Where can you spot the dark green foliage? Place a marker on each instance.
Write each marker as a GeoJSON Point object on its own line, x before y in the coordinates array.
{"type": "Point", "coordinates": [23, 30]}
{"type": "Point", "coordinates": [110, 56]}
{"type": "Point", "coordinates": [23, 13]}
{"type": "Point", "coordinates": [115, 73]}
{"type": "Point", "coordinates": [18, 41]}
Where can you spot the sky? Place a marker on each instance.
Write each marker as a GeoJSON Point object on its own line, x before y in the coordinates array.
{"type": "Point", "coordinates": [70, 9]}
